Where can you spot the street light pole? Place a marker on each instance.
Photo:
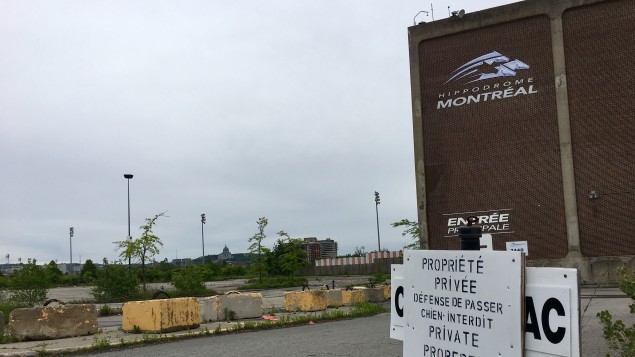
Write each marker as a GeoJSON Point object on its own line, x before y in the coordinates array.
{"type": "Point", "coordinates": [203, 235]}
{"type": "Point", "coordinates": [71, 232]}
{"type": "Point", "coordinates": [377, 215]}
{"type": "Point", "coordinates": [128, 177]}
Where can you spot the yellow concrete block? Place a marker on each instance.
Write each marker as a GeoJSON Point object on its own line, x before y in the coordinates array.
{"type": "Point", "coordinates": [305, 300]}
{"type": "Point", "coordinates": [157, 316]}
{"type": "Point", "coordinates": [386, 292]}
{"type": "Point", "coordinates": [353, 297]}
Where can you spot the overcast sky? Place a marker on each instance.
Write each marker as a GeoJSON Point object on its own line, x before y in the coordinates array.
{"type": "Point", "coordinates": [292, 110]}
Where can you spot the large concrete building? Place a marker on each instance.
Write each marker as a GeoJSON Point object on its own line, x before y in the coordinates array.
{"type": "Point", "coordinates": [320, 248]}
{"type": "Point", "coordinates": [524, 116]}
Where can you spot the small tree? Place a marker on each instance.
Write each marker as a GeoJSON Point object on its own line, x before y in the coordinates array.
{"type": "Point", "coordinates": [256, 245]}
{"type": "Point", "coordinates": [115, 283]}
{"type": "Point", "coordinates": [359, 252]}
{"type": "Point", "coordinates": [53, 273]}
{"type": "Point", "coordinates": [293, 257]}
{"type": "Point", "coordinates": [29, 285]}
{"type": "Point", "coordinates": [413, 229]}
{"type": "Point", "coordinates": [143, 248]}
{"type": "Point", "coordinates": [89, 271]}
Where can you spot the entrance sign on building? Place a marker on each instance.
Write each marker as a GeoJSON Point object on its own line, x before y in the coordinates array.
{"type": "Point", "coordinates": [463, 303]}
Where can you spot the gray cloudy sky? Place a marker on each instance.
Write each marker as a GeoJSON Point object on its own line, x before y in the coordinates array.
{"type": "Point", "coordinates": [292, 110]}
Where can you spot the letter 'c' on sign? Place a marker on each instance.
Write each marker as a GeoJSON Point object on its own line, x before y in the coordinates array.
{"type": "Point", "coordinates": [558, 335]}
{"type": "Point", "coordinates": [398, 292]}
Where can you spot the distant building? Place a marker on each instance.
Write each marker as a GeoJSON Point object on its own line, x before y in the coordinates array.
{"type": "Point", "coordinates": [312, 248]}
{"type": "Point", "coordinates": [225, 255]}
{"type": "Point", "coordinates": [328, 248]}
{"type": "Point", "coordinates": [69, 269]}
{"type": "Point", "coordinates": [182, 262]}
{"type": "Point", "coordinates": [7, 269]}
{"type": "Point", "coordinates": [320, 249]}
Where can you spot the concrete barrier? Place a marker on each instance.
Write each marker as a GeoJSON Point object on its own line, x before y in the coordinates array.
{"type": "Point", "coordinates": [53, 322]}
{"type": "Point", "coordinates": [352, 297]}
{"type": "Point", "coordinates": [158, 316]}
{"type": "Point", "coordinates": [305, 300]}
{"type": "Point", "coordinates": [386, 292]}
{"type": "Point", "coordinates": [334, 298]}
{"type": "Point", "coordinates": [233, 306]}
{"type": "Point", "coordinates": [244, 306]}
{"type": "Point", "coordinates": [208, 308]}
{"type": "Point", "coordinates": [375, 294]}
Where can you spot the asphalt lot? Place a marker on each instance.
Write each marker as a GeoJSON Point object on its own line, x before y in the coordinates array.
{"type": "Point", "coordinates": [592, 300]}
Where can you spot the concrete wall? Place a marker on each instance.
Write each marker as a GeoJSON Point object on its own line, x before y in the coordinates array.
{"type": "Point", "coordinates": [53, 322]}
{"type": "Point", "coordinates": [378, 266]}
{"type": "Point", "coordinates": [156, 316]}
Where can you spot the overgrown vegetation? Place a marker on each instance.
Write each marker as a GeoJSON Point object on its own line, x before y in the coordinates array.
{"type": "Point", "coordinates": [143, 248]}
{"type": "Point", "coordinates": [412, 229]}
{"type": "Point", "coordinates": [617, 334]}
{"type": "Point", "coordinates": [277, 282]}
{"type": "Point", "coordinates": [189, 280]}
{"type": "Point", "coordinates": [115, 283]}
{"type": "Point", "coordinates": [28, 286]}
{"type": "Point", "coordinates": [256, 248]}
{"type": "Point", "coordinates": [287, 257]}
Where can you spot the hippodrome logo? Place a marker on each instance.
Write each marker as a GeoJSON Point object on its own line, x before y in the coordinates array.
{"type": "Point", "coordinates": [479, 69]}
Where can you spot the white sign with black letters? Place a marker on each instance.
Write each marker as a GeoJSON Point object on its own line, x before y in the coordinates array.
{"type": "Point", "coordinates": [552, 305]}
{"type": "Point", "coordinates": [519, 246]}
{"type": "Point", "coordinates": [463, 303]}
{"type": "Point", "coordinates": [397, 321]}
{"type": "Point", "coordinates": [552, 310]}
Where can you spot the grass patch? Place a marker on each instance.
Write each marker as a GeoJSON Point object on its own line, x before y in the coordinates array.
{"type": "Point", "coordinates": [6, 307]}
{"type": "Point", "coordinates": [7, 339]}
{"type": "Point", "coordinates": [277, 282]}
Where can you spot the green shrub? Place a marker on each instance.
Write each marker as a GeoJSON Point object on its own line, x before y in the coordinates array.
{"type": "Point", "coordinates": [29, 285]}
{"type": "Point", "coordinates": [619, 336]}
{"type": "Point", "coordinates": [189, 280]}
{"type": "Point", "coordinates": [229, 315]}
{"type": "Point", "coordinates": [115, 283]}
{"type": "Point", "coordinates": [232, 271]}
{"type": "Point", "coordinates": [6, 308]}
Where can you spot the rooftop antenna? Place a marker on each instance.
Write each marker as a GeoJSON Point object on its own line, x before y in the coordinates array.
{"type": "Point", "coordinates": [432, 11]}
{"type": "Point", "coordinates": [449, 15]}
{"type": "Point", "coordinates": [414, 19]}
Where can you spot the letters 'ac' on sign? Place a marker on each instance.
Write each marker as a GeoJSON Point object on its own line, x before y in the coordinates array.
{"type": "Point", "coordinates": [552, 307]}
